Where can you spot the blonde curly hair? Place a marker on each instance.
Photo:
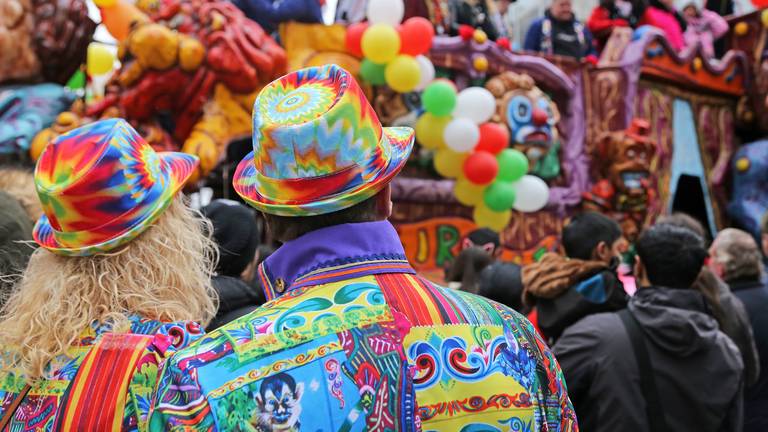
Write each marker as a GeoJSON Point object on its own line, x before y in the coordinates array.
{"type": "Point", "coordinates": [164, 274]}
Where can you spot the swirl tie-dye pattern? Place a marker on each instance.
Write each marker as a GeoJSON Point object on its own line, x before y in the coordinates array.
{"type": "Point", "coordinates": [318, 146]}
{"type": "Point", "coordinates": [101, 185]}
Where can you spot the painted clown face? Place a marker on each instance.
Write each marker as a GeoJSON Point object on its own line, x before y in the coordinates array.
{"type": "Point", "coordinates": [531, 116]}
{"type": "Point", "coordinates": [279, 402]}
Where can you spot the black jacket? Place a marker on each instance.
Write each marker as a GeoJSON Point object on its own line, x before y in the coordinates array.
{"type": "Point", "coordinates": [698, 369]}
{"type": "Point", "coordinates": [236, 298]}
{"type": "Point", "coordinates": [754, 295]}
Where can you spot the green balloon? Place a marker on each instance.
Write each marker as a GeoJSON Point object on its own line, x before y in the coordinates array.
{"type": "Point", "coordinates": [499, 196]}
{"type": "Point", "coordinates": [372, 72]}
{"type": "Point", "coordinates": [439, 98]}
{"type": "Point", "coordinates": [513, 165]}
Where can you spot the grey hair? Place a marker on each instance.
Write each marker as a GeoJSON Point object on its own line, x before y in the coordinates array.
{"type": "Point", "coordinates": [739, 255]}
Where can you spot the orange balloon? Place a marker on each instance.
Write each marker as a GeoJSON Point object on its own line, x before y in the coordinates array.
{"type": "Point", "coordinates": [119, 17]}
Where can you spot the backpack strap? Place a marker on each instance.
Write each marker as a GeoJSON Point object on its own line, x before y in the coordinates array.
{"type": "Point", "coordinates": [14, 407]}
{"type": "Point", "coordinates": [654, 411]}
{"type": "Point", "coordinates": [96, 398]}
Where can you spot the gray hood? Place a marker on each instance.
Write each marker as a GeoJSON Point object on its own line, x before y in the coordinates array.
{"type": "Point", "coordinates": [676, 320]}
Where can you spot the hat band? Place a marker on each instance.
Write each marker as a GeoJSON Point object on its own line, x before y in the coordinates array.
{"type": "Point", "coordinates": [309, 189]}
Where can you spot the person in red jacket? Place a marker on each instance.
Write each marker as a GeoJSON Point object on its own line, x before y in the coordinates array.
{"type": "Point", "coordinates": [608, 15]}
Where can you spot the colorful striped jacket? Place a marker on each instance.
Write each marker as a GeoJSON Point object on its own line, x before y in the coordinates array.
{"type": "Point", "coordinates": [354, 340]}
{"type": "Point", "coordinates": [104, 383]}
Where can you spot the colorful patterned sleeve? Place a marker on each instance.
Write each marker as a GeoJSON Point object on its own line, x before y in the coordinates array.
{"type": "Point", "coordinates": [557, 411]}
{"type": "Point", "coordinates": [180, 404]}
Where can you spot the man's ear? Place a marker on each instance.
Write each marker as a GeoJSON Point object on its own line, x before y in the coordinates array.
{"type": "Point", "coordinates": [638, 270]}
{"type": "Point", "coordinates": [384, 203]}
{"type": "Point", "coordinates": [601, 251]}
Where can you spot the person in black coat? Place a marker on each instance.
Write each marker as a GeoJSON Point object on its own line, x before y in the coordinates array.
{"type": "Point", "coordinates": [736, 258]}
{"type": "Point", "coordinates": [237, 235]}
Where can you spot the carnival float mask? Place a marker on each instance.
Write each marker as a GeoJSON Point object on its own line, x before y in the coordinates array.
{"type": "Point", "coordinates": [532, 118]}
{"type": "Point", "coordinates": [749, 202]}
{"type": "Point", "coordinates": [627, 158]}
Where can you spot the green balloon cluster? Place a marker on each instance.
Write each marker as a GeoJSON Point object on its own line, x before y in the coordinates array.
{"type": "Point", "coordinates": [439, 98]}
{"type": "Point", "coordinates": [372, 72]}
{"type": "Point", "coordinates": [513, 165]}
{"type": "Point", "coordinates": [499, 196]}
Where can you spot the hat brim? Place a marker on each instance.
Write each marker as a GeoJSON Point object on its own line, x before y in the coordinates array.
{"type": "Point", "coordinates": [181, 166]}
{"type": "Point", "coordinates": [399, 141]}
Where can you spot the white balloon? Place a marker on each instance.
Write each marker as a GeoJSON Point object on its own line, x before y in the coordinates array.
{"type": "Point", "coordinates": [476, 104]}
{"type": "Point", "coordinates": [427, 70]}
{"type": "Point", "coordinates": [385, 12]}
{"type": "Point", "coordinates": [531, 194]}
{"type": "Point", "coordinates": [461, 135]}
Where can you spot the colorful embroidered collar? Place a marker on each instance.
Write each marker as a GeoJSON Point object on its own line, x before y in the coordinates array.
{"type": "Point", "coordinates": [332, 254]}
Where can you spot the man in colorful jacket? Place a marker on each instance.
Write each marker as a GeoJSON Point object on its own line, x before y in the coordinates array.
{"type": "Point", "coordinates": [351, 338]}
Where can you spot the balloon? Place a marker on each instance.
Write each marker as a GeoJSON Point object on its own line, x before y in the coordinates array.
{"type": "Point", "coordinates": [354, 37]}
{"type": "Point", "coordinates": [487, 218]}
{"type": "Point", "coordinates": [468, 193]}
{"type": "Point", "coordinates": [426, 72]}
{"type": "Point", "coordinates": [416, 34]}
{"type": "Point", "coordinates": [380, 43]}
{"type": "Point", "coordinates": [494, 137]}
{"type": "Point", "coordinates": [104, 3]}
{"type": "Point", "coordinates": [499, 196]}
{"type": "Point", "coordinates": [119, 18]}
{"type": "Point", "coordinates": [513, 165]}
{"type": "Point", "coordinates": [461, 135]}
{"type": "Point", "coordinates": [403, 73]}
{"type": "Point", "coordinates": [372, 72]}
{"type": "Point", "coordinates": [100, 59]}
{"type": "Point", "coordinates": [481, 168]}
{"type": "Point", "coordinates": [429, 130]}
{"type": "Point", "coordinates": [449, 163]}
{"type": "Point", "coordinates": [532, 194]}
{"type": "Point", "coordinates": [476, 104]}
{"type": "Point", "coordinates": [439, 98]}
{"type": "Point", "coordinates": [389, 12]}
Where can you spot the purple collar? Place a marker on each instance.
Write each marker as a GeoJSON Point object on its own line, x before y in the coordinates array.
{"type": "Point", "coordinates": [332, 254]}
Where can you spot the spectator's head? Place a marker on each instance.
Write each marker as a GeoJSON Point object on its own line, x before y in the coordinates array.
{"type": "Point", "coordinates": [503, 6]}
{"type": "Point", "coordinates": [561, 10]}
{"type": "Point", "coordinates": [669, 256]}
{"type": "Point", "coordinates": [236, 233]}
{"type": "Point", "coordinates": [764, 234]}
{"type": "Point", "coordinates": [735, 256]}
{"type": "Point", "coordinates": [303, 177]}
{"type": "Point", "coordinates": [686, 221]}
{"type": "Point", "coordinates": [15, 228]}
{"type": "Point", "coordinates": [689, 8]}
{"type": "Point", "coordinates": [486, 239]}
{"type": "Point", "coordinates": [593, 236]}
{"type": "Point", "coordinates": [467, 266]}
{"type": "Point", "coordinates": [502, 282]}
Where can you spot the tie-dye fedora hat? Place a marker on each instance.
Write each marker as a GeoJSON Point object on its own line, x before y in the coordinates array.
{"type": "Point", "coordinates": [101, 185]}
{"type": "Point", "coordinates": [318, 146]}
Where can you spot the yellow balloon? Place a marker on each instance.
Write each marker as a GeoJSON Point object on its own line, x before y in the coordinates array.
{"type": "Point", "coordinates": [487, 218]}
{"type": "Point", "coordinates": [764, 18]}
{"type": "Point", "coordinates": [448, 163]}
{"type": "Point", "coordinates": [468, 193]}
{"type": "Point", "coordinates": [403, 73]}
{"type": "Point", "coordinates": [381, 43]}
{"type": "Point", "coordinates": [104, 3]}
{"type": "Point", "coordinates": [100, 59]}
{"type": "Point", "coordinates": [429, 130]}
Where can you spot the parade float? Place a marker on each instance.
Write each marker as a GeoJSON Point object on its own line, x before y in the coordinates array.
{"type": "Point", "coordinates": [514, 141]}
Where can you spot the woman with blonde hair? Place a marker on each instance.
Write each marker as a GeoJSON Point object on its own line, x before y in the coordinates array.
{"type": "Point", "coordinates": [122, 279]}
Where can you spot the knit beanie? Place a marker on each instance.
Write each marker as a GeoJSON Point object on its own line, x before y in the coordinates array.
{"type": "Point", "coordinates": [236, 233]}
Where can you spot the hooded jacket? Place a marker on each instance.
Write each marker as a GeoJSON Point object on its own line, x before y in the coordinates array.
{"type": "Point", "coordinates": [698, 369]}
{"type": "Point", "coordinates": [236, 298]}
{"type": "Point", "coordinates": [566, 290]}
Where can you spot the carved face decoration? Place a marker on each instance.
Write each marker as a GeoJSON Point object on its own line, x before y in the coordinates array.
{"type": "Point", "coordinates": [627, 156]}
{"type": "Point", "coordinates": [396, 109]}
{"type": "Point", "coordinates": [279, 402]}
{"type": "Point", "coordinates": [531, 116]}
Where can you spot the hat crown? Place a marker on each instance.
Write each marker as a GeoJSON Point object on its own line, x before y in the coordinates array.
{"type": "Point", "coordinates": [312, 123]}
{"type": "Point", "coordinates": [89, 176]}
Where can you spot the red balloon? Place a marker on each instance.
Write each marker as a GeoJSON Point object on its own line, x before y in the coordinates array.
{"type": "Point", "coordinates": [466, 32]}
{"type": "Point", "coordinates": [354, 38]}
{"type": "Point", "coordinates": [481, 168]}
{"type": "Point", "coordinates": [416, 35]}
{"type": "Point", "coordinates": [493, 138]}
